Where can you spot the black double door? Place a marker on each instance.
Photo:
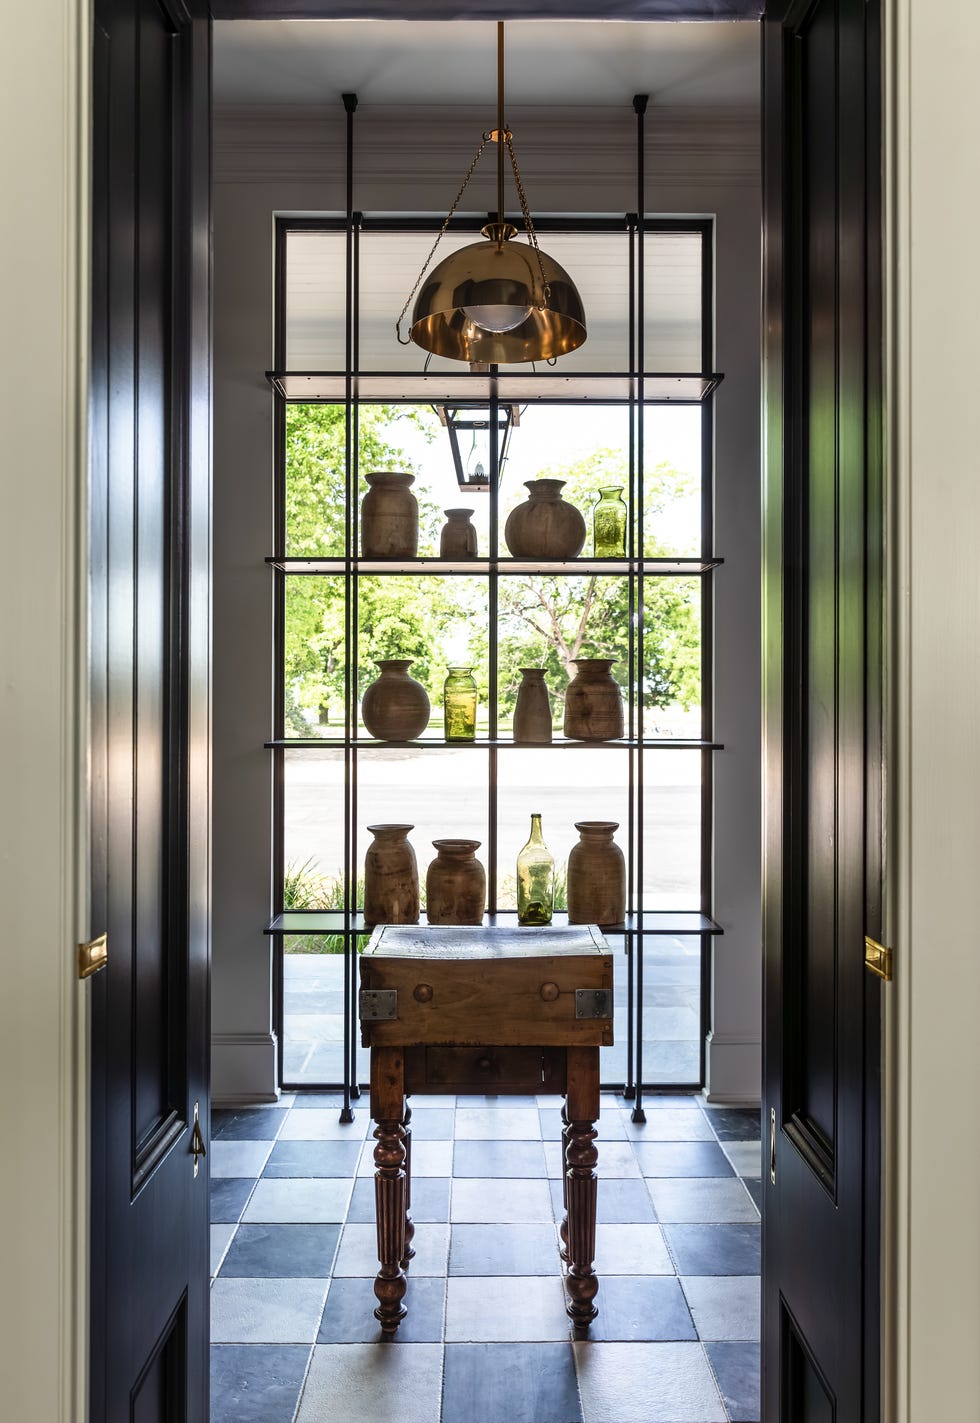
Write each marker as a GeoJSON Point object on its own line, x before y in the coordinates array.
{"type": "Point", "coordinates": [148, 589]}
{"type": "Point", "coordinates": [822, 655]}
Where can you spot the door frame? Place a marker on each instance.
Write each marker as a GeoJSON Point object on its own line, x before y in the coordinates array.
{"type": "Point", "coordinates": [925, 1360]}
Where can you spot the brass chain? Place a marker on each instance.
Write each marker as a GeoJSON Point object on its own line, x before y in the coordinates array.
{"type": "Point", "coordinates": [442, 230]}
{"type": "Point", "coordinates": [528, 223]}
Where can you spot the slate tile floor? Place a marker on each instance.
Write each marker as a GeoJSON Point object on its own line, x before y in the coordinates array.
{"type": "Point", "coordinates": [487, 1340]}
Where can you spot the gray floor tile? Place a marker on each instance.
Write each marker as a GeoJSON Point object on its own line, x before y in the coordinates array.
{"type": "Point", "coordinates": [641, 1307]}
{"type": "Point", "coordinates": [430, 1201]}
{"type": "Point", "coordinates": [756, 1189]}
{"type": "Point", "coordinates": [323, 1124]}
{"type": "Point", "coordinates": [358, 1253]}
{"type": "Point", "coordinates": [646, 1383]}
{"type": "Point", "coordinates": [715, 1249]}
{"type": "Point", "coordinates": [429, 1158]}
{"type": "Point", "coordinates": [505, 1308]}
{"type": "Point", "coordinates": [616, 1160]}
{"type": "Point", "coordinates": [610, 1125]}
{"type": "Point", "coordinates": [321, 1101]}
{"type": "Point", "coordinates": [252, 1311]}
{"type": "Point", "coordinates": [348, 1315]}
{"type": "Point", "coordinates": [491, 1124]}
{"type": "Point", "coordinates": [682, 1158]}
{"type": "Point", "coordinates": [511, 1201]}
{"type": "Point", "coordinates": [631, 1250]}
{"type": "Point", "coordinates": [736, 1368]}
{"type": "Point", "coordinates": [432, 1123]}
{"type": "Point", "coordinates": [724, 1306]}
{"type": "Point", "coordinates": [745, 1156]}
{"type": "Point", "coordinates": [220, 1240]}
{"type": "Point", "coordinates": [618, 1202]}
{"type": "Point", "coordinates": [503, 1250]}
{"type": "Point", "coordinates": [375, 1381]}
{"type": "Point", "coordinates": [281, 1252]}
{"type": "Point", "coordinates": [672, 1124]}
{"type": "Point", "coordinates": [688, 1200]}
{"type": "Point", "coordinates": [497, 1159]}
{"type": "Point", "coordinates": [256, 1383]}
{"type": "Point", "coordinates": [229, 1195]}
{"type": "Point", "coordinates": [313, 1158]}
{"type": "Point", "coordinates": [238, 1158]}
{"type": "Point", "coordinates": [247, 1124]}
{"type": "Point", "coordinates": [510, 1383]}
{"type": "Point", "coordinates": [300, 1201]}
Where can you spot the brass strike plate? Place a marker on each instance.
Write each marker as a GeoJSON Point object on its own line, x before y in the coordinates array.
{"type": "Point", "coordinates": [878, 958]}
{"type": "Point", "coordinates": [93, 956]}
{"type": "Point", "coordinates": [593, 1003]}
{"type": "Point", "coordinates": [378, 1005]}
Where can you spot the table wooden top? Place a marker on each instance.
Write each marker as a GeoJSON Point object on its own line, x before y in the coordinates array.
{"type": "Point", "coordinates": [439, 941]}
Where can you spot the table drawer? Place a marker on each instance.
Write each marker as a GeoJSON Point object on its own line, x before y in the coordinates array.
{"type": "Point", "coordinates": [443, 1068]}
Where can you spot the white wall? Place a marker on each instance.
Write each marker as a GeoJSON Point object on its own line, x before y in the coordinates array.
{"type": "Point", "coordinates": [292, 160]}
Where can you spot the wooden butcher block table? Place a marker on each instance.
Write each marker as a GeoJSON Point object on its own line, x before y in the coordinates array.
{"type": "Point", "coordinates": [487, 1010]}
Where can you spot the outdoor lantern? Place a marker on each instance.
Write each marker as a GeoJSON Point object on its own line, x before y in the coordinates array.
{"type": "Point", "coordinates": [468, 426]}
{"type": "Point", "coordinates": [498, 301]}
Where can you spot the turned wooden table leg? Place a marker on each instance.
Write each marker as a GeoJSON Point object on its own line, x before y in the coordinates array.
{"type": "Point", "coordinates": [563, 1229]}
{"type": "Point", "coordinates": [388, 1111]}
{"type": "Point", "coordinates": [409, 1223]}
{"type": "Point", "coordinates": [582, 1107]}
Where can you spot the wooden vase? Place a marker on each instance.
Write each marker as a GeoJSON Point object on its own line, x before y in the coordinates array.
{"type": "Point", "coordinates": [389, 516]}
{"type": "Point", "coordinates": [532, 713]}
{"type": "Point", "coordinates": [458, 537]}
{"type": "Point", "coordinates": [596, 875]}
{"type": "Point", "coordinates": [456, 884]}
{"type": "Point", "coordinates": [391, 877]}
{"type": "Point", "coordinates": [395, 707]}
{"type": "Point", "coordinates": [593, 703]}
{"type": "Point", "coordinates": [545, 526]}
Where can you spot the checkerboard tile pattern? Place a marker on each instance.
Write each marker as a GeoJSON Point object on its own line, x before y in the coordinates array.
{"type": "Point", "coordinates": [486, 1340]}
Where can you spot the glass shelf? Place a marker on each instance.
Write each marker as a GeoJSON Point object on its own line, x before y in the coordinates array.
{"type": "Point", "coordinates": [523, 387]}
{"type": "Point", "coordinates": [434, 743]}
{"type": "Point", "coordinates": [674, 922]}
{"type": "Point", "coordinates": [476, 567]}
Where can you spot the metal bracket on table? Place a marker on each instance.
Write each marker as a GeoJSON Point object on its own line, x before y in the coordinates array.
{"type": "Point", "coordinates": [593, 1003]}
{"type": "Point", "coordinates": [378, 1005]}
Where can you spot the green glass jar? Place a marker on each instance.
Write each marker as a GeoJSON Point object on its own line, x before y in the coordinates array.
{"type": "Point", "coordinates": [535, 879]}
{"type": "Point", "coordinates": [609, 523]}
{"type": "Point", "coordinates": [459, 700]}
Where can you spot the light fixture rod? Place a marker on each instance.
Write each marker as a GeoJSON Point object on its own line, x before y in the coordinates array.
{"type": "Point", "coordinates": [500, 122]}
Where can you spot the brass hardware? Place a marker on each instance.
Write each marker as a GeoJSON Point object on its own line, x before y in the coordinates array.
{"type": "Point", "coordinates": [772, 1146]}
{"type": "Point", "coordinates": [593, 1003]}
{"type": "Point", "coordinates": [378, 1005]}
{"type": "Point", "coordinates": [423, 993]}
{"type": "Point", "coordinates": [549, 992]}
{"type": "Point", "coordinates": [93, 956]}
{"type": "Point", "coordinates": [878, 958]}
{"type": "Point", "coordinates": [198, 1149]}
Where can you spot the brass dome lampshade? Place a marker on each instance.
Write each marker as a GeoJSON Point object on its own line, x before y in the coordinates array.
{"type": "Point", "coordinates": [497, 301]}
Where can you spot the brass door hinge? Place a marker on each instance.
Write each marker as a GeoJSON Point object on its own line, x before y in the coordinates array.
{"type": "Point", "coordinates": [93, 956]}
{"type": "Point", "coordinates": [878, 958]}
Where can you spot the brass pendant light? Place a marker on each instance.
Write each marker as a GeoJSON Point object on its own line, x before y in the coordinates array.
{"type": "Point", "coordinates": [497, 301]}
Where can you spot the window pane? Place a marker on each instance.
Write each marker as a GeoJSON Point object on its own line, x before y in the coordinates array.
{"type": "Point", "coordinates": [672, 657]}
{"type": "Point", "coordinates": [315, 300]}
{"type": "Point", "coordinates": [672, 480]}
{"type": "Point", "coordinates": [313, 663]}
{"type": "Point", "coordinates": [671, 1009]}
{"type": "Point", "coordinates": [672, 268]}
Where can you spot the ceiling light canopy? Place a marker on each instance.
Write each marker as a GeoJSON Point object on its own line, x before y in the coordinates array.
{"type": "Point", "coordinates": [499, 301]}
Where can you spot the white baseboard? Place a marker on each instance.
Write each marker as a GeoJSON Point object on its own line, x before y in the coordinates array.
{"type": "Point", "coordinates": [734, 1070]}
{"type": "Point", "coordinates": [244, 1069]}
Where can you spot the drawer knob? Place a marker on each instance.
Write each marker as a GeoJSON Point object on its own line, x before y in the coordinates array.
{"type": "Point", "coordinates": [549, 992]}
{"type": "Point", "coordinates": [423, 993]}
{"type": "Point", "coordinates": [484, 1063]}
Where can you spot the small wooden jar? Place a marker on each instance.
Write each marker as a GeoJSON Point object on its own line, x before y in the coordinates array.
{"type": "Point", "coordinates": [596, 875]}
{"type": "Point", "coordinates": [391, 877]}
{"type": "Point", "coordinates": [456, 884]}
{"type": "Point", "coordinates": [593, 702]}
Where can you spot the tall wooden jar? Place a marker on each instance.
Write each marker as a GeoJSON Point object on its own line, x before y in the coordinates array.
{"type": "Point", "coordinates": [596, 875]}
{"type": "Point", "coordinates": [532, 712]}
{"type": "Point", "coordinates": [456, 884]}
{"type": "Point", "coordinates": [593, 702]}
{"type": "Point", "coordinates": [389, 516]}
{"type": "Point", "coordinates": [395, 707]}
{"type": "Point", "coordinates": [391, 877]}
{"type": "Point", "coordinates": [545, 526]}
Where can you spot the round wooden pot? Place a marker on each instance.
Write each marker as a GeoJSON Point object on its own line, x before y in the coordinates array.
{"type": "Point", "coordinates": [389, 516]}
{"type": "Point", "coordinates": [593, 703]}
{"type": "Point", "coordinates": [532, 713]}
{"type": "Point", "coordinates": [596, 875]}
{"type": "Point", "coordinates": [395, 707]}
{"type": "Point", "coordinates": [545, 526]}
{"type": "Point", "coordinates": [391, 877]}
{"type": "Point", "coordinates": [456, 884]}
{"type": "Point", "coordinates": [458, 537]}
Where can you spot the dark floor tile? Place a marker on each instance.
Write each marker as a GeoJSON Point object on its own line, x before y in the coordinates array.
{"type": "Point", "coordinates": [348, 1316]}
{"type": "Point", "coordinates": [510, 1383]}
{"type": "Point", "coordinates": [256, 1383]}
{"type": "Point", "coordinates": [503, 1250]}
{"type": "Point", "coordinates": [635, 1307]}
{"type": "Point", "coordinates": [715, 1249]}
{"type": "Point", "coordinates": [619, 1202]}
{"type": "Point", "coordinates": [430, 1201]}
{"type": "Point", "coordinates": [499, 1158]}
{"type": "Point", "coordinates": [681, 1158]}
{"type": "Point", "coordinates": [313, 1158]}
{"type": "Point", "coordinates": [735, 1123]}
{"type": "Point", "coordinates": [736, 1367]}
{"type": "Point", "coordinates": [273, 1252]}
{"type": "Point", "coordinates": [755, 1189]}
{"type": "Point", "coordinates": [432, 1123]}
{"type": "Point", "coordinates": [229, 1196]}
{"type": "Point", "coordinates": [248, 1124]}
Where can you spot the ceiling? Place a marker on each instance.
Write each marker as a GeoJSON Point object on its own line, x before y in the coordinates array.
{"type": "Point", "coordinates": [556, 62]}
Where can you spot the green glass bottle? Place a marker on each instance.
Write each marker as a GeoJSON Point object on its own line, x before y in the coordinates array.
{"type": "Point", "coordinates": [535, 879]}
{"type": "Point", "coordinates": [459, 701]}
{"type": "Point", "coordinates": [609, 523]}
